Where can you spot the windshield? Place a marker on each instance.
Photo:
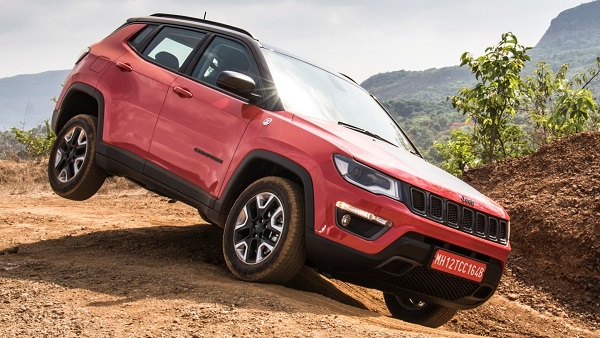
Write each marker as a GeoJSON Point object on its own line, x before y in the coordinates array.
{"type": "Point", "coordinates": [312, 92]}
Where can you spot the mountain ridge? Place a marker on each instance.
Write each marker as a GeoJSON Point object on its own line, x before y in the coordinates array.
{"type": "Point", "coordinates": [573, 37]}
{"type": "Point", "coordinates": [27, 99]}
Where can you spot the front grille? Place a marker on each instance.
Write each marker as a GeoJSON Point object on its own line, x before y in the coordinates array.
{"type": "Point", "coordinates": [503, 231]}
{"type": "Point", "coordinates": [481, 222]}
{"type": "Point", "coordinates": [457, 216]}
{"type": "Point", "coordinates": [418, 200]}
{"type": "Point", "coordinates": [468, 220]}
{"type": "Point", "coordinates": [493, 228]}
{"type": "Point", "coordinates": [452, 214]}
{"type": "Point", "coordinates": [435, 283]}
{"type": "Point", "coordinates": [436, 207]}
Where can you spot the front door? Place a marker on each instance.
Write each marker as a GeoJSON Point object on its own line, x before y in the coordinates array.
{"type": "Point", "coordinates": [200, 125]}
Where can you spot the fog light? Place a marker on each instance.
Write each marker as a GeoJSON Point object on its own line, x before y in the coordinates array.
{"type": "Point", "coordinates": [346, 220]}
{"type": "Point", "coordinates": [362, 213]}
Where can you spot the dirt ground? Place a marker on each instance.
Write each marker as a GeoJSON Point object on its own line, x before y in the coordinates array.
{"type": "Point", "coordinates": [130, 263]}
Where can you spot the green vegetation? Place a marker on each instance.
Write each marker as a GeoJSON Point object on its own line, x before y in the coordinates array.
{"type": "Point", "coordinates": [36, 142]}
{"type": "Point", "coordinates": [417, 99]}
{"type": "Point", "coordinates": [558, 107]}
{"type": "Point", "coordinates": [496, 106]}
{"type": "Point", "coordinates": [459, 152]}
{"type": "Point", "coordinates": [9, 147]}
{"type": "Point", "coordinates": [425, 122]}
{"type": "Point", "coordinates": [492, 104]}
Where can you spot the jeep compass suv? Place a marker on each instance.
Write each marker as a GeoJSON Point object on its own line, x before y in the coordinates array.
{"type": "Point", "coordinates": [297, 163]}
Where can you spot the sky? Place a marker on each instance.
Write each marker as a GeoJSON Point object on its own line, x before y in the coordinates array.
{"type": "Point", "coordinates": [358, 38]}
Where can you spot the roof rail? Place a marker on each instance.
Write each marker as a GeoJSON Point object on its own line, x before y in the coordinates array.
{"type": "Point", "coordinates": [349, 78]}
{"type": "Point", "coordinates": [208, 22]}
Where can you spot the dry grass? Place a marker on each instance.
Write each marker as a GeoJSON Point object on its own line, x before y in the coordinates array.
{"type": "Point", "coordinates": [22, 176]}
{"type": "Point", "coordinates": [19, 177]}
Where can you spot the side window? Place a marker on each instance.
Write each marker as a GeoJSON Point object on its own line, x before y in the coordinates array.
{"type": "Point", "coordinates": [137, 41]}
{"type": "Point", "coordinates": [224, 54]}
{"type": "Point", "coordinates": [172, 46]}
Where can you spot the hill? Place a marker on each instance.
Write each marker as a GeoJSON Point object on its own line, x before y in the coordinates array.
{"type": "Point", "coordinates": [26, 99]}
{"type": "Point", "coordinates": [417, 99]}
{"type": "Point", "coordinates": [573, 37]}
{"type": "Point", "coordinates": [428, 85]}
{"type": "Point", "coordinates": [575, 28]}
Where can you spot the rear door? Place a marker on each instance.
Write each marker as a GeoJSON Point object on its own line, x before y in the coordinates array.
{"type": "Point", "coordinates": [200, 125]}
{"type": "Point", "coordinates": [137, 84]}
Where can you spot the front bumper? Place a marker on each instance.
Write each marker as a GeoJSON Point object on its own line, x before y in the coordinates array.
{"type": "Point", "coordinates": [395, 258]}
{"type": "Point", "coordinates": [403, 268]}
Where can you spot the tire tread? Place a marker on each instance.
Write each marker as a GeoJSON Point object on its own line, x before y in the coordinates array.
{"type": "Point", "coordinates": [292, 254]}
{"type": "Point", "coordinates": [88, 182]}
{"type": "Point", "coordinates": [432, 315]}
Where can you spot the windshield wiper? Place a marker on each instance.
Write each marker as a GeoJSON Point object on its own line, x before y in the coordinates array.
{"type": "Point", "coordinates": [366, 132]}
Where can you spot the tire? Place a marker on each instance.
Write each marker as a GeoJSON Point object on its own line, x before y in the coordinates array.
{"type": "Point", "coordinates": [72, 169]}
{"type": "Point", "coordinates": [414, 311]}
{"type": "Point", "coordinates": [263, 240]}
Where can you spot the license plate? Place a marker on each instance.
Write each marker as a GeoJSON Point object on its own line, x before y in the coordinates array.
{"type": "Point", "coordinates": [458, 265]}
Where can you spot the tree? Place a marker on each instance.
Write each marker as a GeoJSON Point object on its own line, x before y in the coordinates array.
{"type": "Point", "coordinates": [555, 105]}
{"type": "Point", "coordinates": [492, 103]}
{"type": "Point", "coordinates": [460, 152]}
{"type": "Point", "coordinates": [586, 80]}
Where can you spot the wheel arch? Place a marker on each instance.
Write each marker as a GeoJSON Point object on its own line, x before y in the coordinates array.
{"type": "Point", "coordinates": [80, 98]}
{"type": "Point", "coordinates": [256, 165]}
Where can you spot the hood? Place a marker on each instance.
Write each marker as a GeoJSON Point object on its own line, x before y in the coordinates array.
{"type": "Point", "coordinates": [403, 165]}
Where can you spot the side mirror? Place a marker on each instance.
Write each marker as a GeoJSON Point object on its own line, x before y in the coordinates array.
{"type": "Point", "coordinates": [237, 83]}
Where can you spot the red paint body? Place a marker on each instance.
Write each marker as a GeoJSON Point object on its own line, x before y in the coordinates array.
{"type": "Point", "coordinates": [201, 140]}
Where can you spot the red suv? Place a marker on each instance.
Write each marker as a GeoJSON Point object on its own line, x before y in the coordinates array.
{"type": "Point", "coordinates": [297, 163]}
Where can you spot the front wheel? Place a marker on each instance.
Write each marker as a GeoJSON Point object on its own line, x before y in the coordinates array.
{"type": "Point", "coordinates": [72, 169]}
{"type": "Point", "coordinates": [418, 312]}
{"type": "Point", "coordinates": [263, 240]}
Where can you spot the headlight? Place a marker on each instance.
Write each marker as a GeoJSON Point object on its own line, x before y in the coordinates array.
{"type": "Point", "coordinates": [367, 178]}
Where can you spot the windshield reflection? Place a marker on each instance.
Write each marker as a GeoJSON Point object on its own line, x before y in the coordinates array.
{"type": "Point", "coordinates": [312, 92]}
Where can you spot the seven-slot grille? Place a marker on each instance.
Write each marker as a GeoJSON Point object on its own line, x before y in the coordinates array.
{"type": "Point", "coordinates": [458, 216]}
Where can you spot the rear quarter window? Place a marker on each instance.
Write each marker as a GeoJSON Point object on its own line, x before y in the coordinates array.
{"type": "Point", "coordinates": [170, 47]}
{"type": "Point", "coordinates": [139, 39]}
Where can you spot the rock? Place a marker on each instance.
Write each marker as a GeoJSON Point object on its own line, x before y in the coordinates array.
{"type": "Point", "coordinates": [12, 251]}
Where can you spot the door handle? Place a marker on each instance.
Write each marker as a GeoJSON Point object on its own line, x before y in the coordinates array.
{"type": "Point", "coordinates": [124, 66]}
{"type": "Point", "coordinates": [183, 92]}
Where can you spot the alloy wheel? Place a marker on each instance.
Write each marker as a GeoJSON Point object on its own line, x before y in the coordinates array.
{"type": "Point", "coordinates": [258, 227]}
{"type": "Point", "coordinates": [70, 154]}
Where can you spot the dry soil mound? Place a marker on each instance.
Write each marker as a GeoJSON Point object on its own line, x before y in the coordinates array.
{"type": "Point", "coordinates": [553, 199]}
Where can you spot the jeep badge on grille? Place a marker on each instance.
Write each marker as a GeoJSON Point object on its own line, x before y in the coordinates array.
{"type": "Point", "coordinates": [467, 201]}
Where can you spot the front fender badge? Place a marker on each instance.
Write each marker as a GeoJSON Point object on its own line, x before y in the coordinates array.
{"type": "Point", "coordinates": [267, 121]}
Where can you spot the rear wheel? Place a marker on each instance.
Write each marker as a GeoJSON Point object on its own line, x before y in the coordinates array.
{"type": "Point", "coordinates": [72, 169]}
{"type": "Point", "coordinates": [418, 312]}
{"type": "Point", "coordinates": [263, 240]}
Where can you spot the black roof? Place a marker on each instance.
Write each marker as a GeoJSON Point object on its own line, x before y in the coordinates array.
{"type": "Point", "coordinates": [164, 17]}
{"type": "Point", "coordinates": [202, 23]}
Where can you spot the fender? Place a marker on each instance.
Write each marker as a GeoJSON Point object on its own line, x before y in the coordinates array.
{"type": "Point", "coordinates": [221, 206]}
{"type": "Point", "coordinates": [60, 117]}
